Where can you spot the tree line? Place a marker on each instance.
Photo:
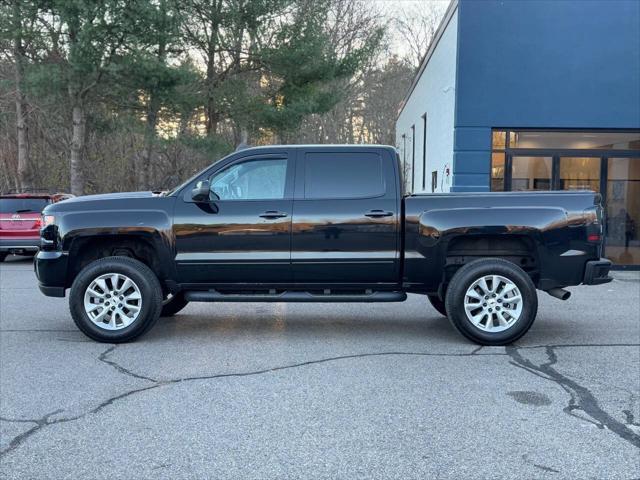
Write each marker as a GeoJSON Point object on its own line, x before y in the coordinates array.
{"type": "Point", "coordinates": [117, 95]}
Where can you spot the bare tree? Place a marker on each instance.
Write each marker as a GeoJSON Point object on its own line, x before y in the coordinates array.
{"type": "Point", "coordinates": [416, 25]}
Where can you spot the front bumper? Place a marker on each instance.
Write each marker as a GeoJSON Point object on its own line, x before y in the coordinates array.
{"type": "Point", "coordinates": [19, 245]}
{"type": "Point", "coordinates": [51, 270]}
{"type": "Point", "coordinates": [597, 272]}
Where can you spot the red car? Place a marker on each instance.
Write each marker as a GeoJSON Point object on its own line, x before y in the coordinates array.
{"type": "Point", "coordinates": [20, 221]}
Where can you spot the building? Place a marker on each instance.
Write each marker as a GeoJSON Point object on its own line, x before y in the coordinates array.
{"type": "Point", "coordinates": [532, 95]}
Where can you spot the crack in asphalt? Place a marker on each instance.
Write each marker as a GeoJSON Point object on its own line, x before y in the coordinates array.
{"type": "Point", "coordinates": [580, 397]}
{"type": "Point", "coordinates": [44, 421]}
{"type": "Point", "coordinates": [120, 368]}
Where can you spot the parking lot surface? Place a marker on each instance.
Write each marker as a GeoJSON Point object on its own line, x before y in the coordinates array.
{"type": "Point", "coordinates": [347, 391]}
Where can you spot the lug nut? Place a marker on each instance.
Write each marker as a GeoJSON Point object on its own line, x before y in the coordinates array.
{"type": "Point", "coordinates": [491, 309]}
{"type": "Point", "coordinates": [484, 304]}
{"type": "Point", "coordinates": [497, 309]}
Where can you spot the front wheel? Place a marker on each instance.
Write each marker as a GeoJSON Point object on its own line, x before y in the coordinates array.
{"type": "Point", "coordinates": [3, 255]}
{"type": "Point", "coordinates": [492, 301]}
{"type": "Point", "coordinates": [115, 299]}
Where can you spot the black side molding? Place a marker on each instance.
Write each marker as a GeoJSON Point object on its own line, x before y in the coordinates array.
{"type": "Point", "coordinates": [293, 296]}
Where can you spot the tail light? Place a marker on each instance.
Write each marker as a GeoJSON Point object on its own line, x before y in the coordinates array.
{"type": "Point", "coordinates": [594, 221]}
{"type": "Point", "coordinates": [594, 238]}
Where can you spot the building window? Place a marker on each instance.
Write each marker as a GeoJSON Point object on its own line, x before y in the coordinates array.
{"type": "Point", "coordinates": [405, 164]}
{"type": "Point", "coordinates": [497, 171]}
{"type": "Point", "coordinates": [424, 152]}
{"type": "Point", "coordinates": [413, 157]}
{"type": "Point", "coordinates": [600, 161]}
{"type": "Point", "coordinates": [574, 140]}
{"type": "Point", "coordinates": [580, 173]}
{"type": "Point", "coordinates": [531, 173]}
{"type": "Point", "coordinates": [434, 181]}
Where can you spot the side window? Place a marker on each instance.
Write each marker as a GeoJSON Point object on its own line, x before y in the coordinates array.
{"type": "Point", "coordinates": [251, 180]}
{"type": "Point", "coordinates": [343, 175]}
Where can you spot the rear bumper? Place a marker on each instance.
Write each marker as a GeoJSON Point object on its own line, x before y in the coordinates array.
{"type": "Point", "coordinates": [51, 270]}
{"type": "Point", "coordinates": [597, 272]}
{"type": "Point", "coordinates": [19, 245]}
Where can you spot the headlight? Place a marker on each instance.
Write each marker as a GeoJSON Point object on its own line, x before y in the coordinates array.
{"type": "Point", "coordinates": [48, 220]}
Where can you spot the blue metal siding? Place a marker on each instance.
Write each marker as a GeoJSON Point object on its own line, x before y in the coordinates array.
{"type": "Point", "coordinates": [542, 64]}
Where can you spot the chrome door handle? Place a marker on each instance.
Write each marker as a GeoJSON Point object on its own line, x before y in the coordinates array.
{"type": "Point", "coordinates": [378, 214]}
{"type": "Point", "coordinates": [273, 214]}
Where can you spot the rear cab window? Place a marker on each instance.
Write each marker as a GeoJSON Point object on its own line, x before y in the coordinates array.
{"type": "Point", "coordinates": [343, 175]}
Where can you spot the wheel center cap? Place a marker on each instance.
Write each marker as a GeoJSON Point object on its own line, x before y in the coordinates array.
{"type": "Point", "coordinates": [492, 302]}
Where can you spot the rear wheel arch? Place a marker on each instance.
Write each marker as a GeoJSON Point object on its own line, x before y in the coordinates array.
{"type": "Point", "coordinates": [521, 250]}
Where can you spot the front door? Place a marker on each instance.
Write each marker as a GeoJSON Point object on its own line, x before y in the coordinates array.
{"type": "Point", "coordinates": [345, 218]}
{"type": "Point", "coordinates": [243, 234]}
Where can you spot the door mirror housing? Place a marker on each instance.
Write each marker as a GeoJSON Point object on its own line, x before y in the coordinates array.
{"type": "Point", "coordinates": [200, 193]}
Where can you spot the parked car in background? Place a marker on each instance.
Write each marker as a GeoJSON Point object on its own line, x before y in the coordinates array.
{"type": "Point", "coordinates": [21, 220]}
{"type": "Point", "coordinates": [323, 223]}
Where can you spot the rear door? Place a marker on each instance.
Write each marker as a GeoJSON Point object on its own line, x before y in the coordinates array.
{"type": "Point", "coordinates": [345, 227]}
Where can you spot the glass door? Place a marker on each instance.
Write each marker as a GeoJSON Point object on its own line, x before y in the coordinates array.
{"type": "Point", "coordinates": [622, 243]}
{"type": "Point", "coordinates": [580, 173]}
{"type": "Point", "coordinates": [531, 172]}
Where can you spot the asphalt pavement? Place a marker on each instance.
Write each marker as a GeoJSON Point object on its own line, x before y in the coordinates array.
{"type": "Point", "coordinates": [340, 391]}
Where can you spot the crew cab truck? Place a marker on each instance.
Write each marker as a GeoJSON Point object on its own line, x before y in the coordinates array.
{"type": "Point", "coordinates": [317, 224]}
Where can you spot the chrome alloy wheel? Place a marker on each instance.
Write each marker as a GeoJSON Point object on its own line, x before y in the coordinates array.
{"type": "Point", "coordinates": [493, 303]}
{"type": "Point", "coordinates": [112, 301]}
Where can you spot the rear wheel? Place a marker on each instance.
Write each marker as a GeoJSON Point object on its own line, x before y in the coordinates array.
{"type": "Point", "coordinates": [115, 299]}
{"type": "Point", "coordinates": [173, 304]}
{"type": "Point", "coordinates": [492, 301]}
{"type": "Point", "coordinates": [3, 255]}
{"type": "Point", "coordinates": [438, 304]}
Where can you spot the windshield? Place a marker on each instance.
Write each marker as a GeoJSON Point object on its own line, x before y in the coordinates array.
{"type": "Point", "coordinates": [23, 205]}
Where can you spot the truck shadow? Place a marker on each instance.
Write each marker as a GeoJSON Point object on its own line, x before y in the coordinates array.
{"type": "Point", "coordinates": [305, 327]}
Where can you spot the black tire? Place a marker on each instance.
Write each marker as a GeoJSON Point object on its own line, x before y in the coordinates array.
{"type": "Point", "coordinates": [173, 305]}
{"type": "Point", "coordinates": [463, 280]}
{"type": "Point", "coordinates": [438, 304]}
{"type": "Point", "coordinates": [150, 293]}
{"type": "Point", "coordinates": [3, 255]}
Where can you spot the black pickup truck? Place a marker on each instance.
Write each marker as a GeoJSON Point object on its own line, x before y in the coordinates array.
{"type": "Point", "coordinates": [317, 224]}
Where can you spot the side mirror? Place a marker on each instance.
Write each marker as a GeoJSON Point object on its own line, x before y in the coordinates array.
{"type": "Point", "coordinates": [200, 192]}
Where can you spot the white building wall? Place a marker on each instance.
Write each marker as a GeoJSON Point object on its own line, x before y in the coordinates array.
{"type": "Point", "coordinates": [433, 95]}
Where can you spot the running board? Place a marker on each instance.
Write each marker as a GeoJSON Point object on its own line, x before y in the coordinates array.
{"type": "Point", "coordinates": [293, 296]}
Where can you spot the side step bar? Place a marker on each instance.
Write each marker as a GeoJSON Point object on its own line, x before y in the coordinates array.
{"type": "Point", "coordinates": [292, 296]}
